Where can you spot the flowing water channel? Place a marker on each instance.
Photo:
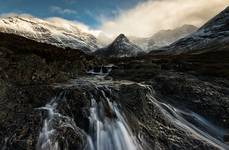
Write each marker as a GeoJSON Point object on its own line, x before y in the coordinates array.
{"type": "Point", "coordinates": [109, 133]}
{"type": "Point", "coordinates": [108, 126]}
{"type": "Point", "coordinates": [108, 129]}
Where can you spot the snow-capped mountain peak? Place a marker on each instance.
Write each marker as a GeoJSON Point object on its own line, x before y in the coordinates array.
{"type": "Point", "coordinates": [120, 47]}
{"type": "Point", "coordinates": [214, 32]}
{"type": "Point", "coordinates": [163, 38]}
{"type": "Point", "coordinates": [121, 38]}
{"type": "Point", "coordinates": [60, 32]}
{"type": "Point", "coordinates": [122, 42]}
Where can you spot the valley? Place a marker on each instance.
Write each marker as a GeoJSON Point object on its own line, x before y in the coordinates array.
{"type": "Point", "coordinates": [71, 96]}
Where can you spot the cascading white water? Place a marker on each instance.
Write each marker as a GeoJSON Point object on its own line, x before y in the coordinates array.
{"type": "Point", "coordinates": [4, 147]}
{"type": "Point", "coordinates": [48, 137]}
{"type": "Point", "coordinates": [196, 124]}
{"type": "Point", "coordinates": [108, 133]}
{"type": "Point", "coordinates": [108, 129]}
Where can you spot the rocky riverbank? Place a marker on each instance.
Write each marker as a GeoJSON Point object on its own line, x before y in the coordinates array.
{"type": "Point", "coordinates": [28, 69]}
{"type": "Point", "coordinates": [164, 102]}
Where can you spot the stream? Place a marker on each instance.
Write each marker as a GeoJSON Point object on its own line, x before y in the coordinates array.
{"type": "Point", "coordinates": [108, 125]}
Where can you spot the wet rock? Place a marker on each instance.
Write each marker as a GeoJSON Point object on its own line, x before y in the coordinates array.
{"type": "Point", "coordinates": [202, 96]}
{"type": "Point", "coordinates": [28, 69]}
{"type": "Point", "coordinates": [152, 127]}
{"type": "Point", "coordinates": [22, 121]}
{"type": "Point", "coordinates": [19, 120]}
{"type": "Point", "coordinates": [226, 138]}
{"type": "Point", "coordinates": [138, 71]}
{"type": "Point", "coordinates": [133, 97]}
{"type": "Point", "coordinates": [26, 61]}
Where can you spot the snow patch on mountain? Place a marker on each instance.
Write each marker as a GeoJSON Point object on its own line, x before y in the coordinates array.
{"type": "Point", "coordinates": [120, 47]}
{"type": "Point", "coordinates": [214, 33]}
{"type": "Point", "coordinates": [65, 34]}
{"type": "Point", "coordinates": [163, 37]}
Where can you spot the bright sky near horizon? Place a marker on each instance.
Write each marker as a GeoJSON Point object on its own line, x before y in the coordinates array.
{"type": "Point", "coordinates": [132, 17]}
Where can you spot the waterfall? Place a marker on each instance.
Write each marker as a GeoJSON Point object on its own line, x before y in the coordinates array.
{"type": "Point", "coordinates": [4, 147]}
{"type": "Point", "coordinates": [49, 136]}
{"type": "Point", "coordinates": [189, 122]}
{"type": "Point", "coordinates": [108, 132]}
{"type": "Point", "coordinates": [108, 129]}
{"type": "Point", "coordinates": [108, 126]}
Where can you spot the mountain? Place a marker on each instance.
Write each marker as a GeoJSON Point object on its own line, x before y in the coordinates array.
{"type": "Point", "coordinates": [212, 36]}
{"type": "Point", "coordinates": [143, 43]}
{"type": "Point", "coordinates": [120, 47]}
{"type": "Point", "coordinates": [48, 100]}
{"type": "Point", "coordinates": [29, 61]}
{"type": "Point", "coordinates": [60, 33]}
{"type": "Point", "coordinates": [167, 37]}
{"type": "Point", "coordinates": [163, 37]}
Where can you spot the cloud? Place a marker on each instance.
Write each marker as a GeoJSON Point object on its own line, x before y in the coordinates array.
{"type": "Point", "coordinates": [63, 11]}
{"type": "Point", "coordinates": [103, 37]}
{"type": "Point", "coordinates": [151, 16]}
{"type": "Point", "coordinates": [70, 25]}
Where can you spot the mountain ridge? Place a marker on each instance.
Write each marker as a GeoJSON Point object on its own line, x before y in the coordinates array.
{"type": "Point", "coordinates": [163, 37]}
{"type": "Point", "coordinates": [47, 31]}
{"type": "Point", "coordinates": [215, 33]}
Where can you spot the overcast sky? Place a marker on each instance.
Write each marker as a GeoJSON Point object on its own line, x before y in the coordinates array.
{"type": "Point", "coordinates": [132, 17]}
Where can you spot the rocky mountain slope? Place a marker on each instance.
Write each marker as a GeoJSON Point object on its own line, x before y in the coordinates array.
{"type": "Point", "coordinates": [197, 83]}
{"type": "Point", "coordinates": [65, 34]}
{"type": "Point", "coordinates": [29, 74]}
{"type": "Point", "coordinates": [211, 36]}
{"type": "Point", "coordinates": [163, 37]}
{"type": "Point", "coordinates": [168, 102]}
{"type": "Point", "coordinates": [120, 47]}
{"type": "Point", "coordinates": [143, 43]}
{"type": "Point", "coordinates": [27, 61]}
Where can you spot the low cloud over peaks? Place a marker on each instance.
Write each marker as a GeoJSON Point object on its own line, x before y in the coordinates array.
{"type": "Point", "coordinates": [69, 24]}
{"type": "Point", "coordinates": [151, 16]}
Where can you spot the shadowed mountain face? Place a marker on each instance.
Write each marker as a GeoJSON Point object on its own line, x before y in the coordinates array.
{"type": "Point", "coordinates": [211, 36]}
{"type": "Point", "coordinates": [120, 47]}
{"type": "Point", "coordinates": [25, 60]}
{"type": "Point", "coordinates": [61, 34]}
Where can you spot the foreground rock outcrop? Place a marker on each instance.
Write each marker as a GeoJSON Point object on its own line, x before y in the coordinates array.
{"type": "Point", "coordinates": [202, 96]}
{"type": "Point", "coordinates": [23, 60]}
{"type": "Point", "coordinates": [197, 84]}
{"type": "Point", "coordinates": [151, 124]}
{"type": "Point", "coordinates": [152, 127]}
{"type": "Point", "coordinates": [28, 68]}
{"type": "Point", "coordinates": [163, 103]}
